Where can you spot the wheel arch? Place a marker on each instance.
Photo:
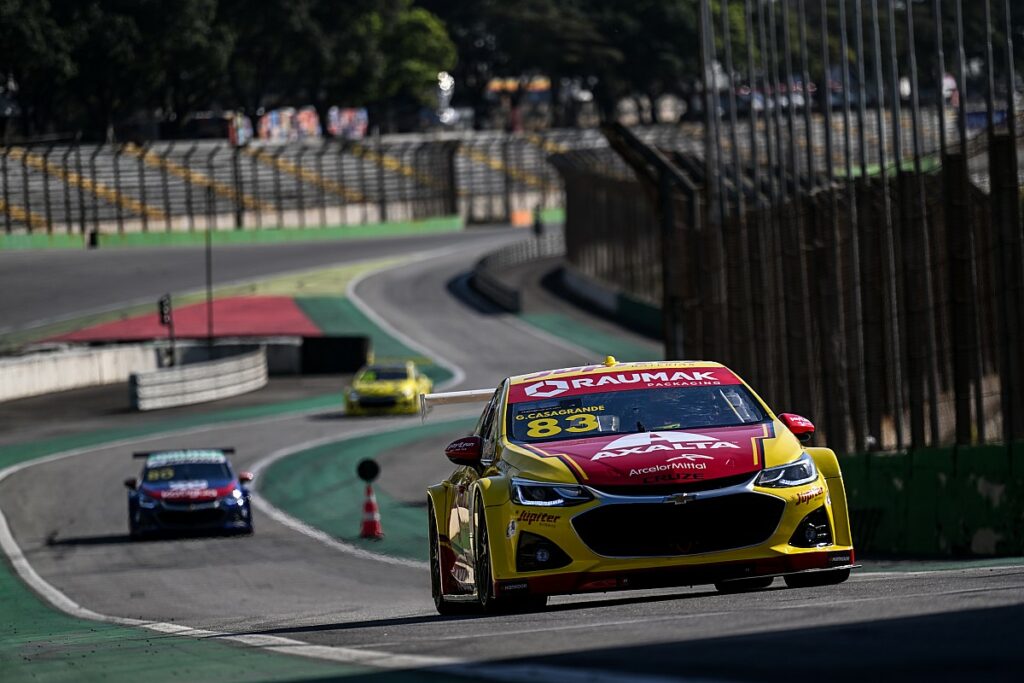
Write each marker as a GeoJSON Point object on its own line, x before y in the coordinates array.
{"type": "Point", "coordinates": [828, 464]}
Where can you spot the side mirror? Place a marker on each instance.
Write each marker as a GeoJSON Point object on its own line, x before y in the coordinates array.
{"type": "Point", "coordinates": [131, 483]}
{"type": "Point", "coordinates": [246, 477]}
{"type": "Point", "coordinates": [801, 427]}
{"type": "Point", "coordinates": [465, 451]}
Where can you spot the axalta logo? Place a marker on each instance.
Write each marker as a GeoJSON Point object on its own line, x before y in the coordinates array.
{"type": "Point", "coordinates": [547, 389]}
{"type": "Point", "coordinates": [650, 442]}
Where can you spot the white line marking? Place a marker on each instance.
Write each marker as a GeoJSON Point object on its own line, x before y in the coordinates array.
{"type": "Point", "coordinates": [458, 374]}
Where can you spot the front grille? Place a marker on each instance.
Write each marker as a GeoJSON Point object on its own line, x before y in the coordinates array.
{"type": "Point", "coordinates": [677, 486]}
{"type": "Point", "coordinates": [666, 529]}
{"type": "Point", "coordinates": [378, 401]}
{"type": "Point", "coordinates": [199, 517]}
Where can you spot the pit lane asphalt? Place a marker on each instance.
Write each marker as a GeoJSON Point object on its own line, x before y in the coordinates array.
{"type": "Point", "coordinates": [68, 516]}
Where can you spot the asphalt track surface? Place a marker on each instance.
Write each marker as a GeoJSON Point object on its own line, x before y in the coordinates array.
{"type": "Point", "coordinates": [43, 286]}
{"type": "Point", "coordinates": [68, 516]}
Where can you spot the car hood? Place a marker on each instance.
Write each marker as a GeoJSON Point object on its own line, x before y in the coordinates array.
{"type": "Point", "coordinates": [662, 457]}
{"type": "Point", "coordinates": [195, 490]}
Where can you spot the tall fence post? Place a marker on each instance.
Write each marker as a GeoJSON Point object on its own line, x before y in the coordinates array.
{"type": "Point", "coordinates": [238, 186]}
{"type": "Point", "coordinates": [8, 227]}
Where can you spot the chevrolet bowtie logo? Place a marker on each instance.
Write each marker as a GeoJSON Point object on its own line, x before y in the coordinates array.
{"type": "Point", "coordinates": [681, 498]}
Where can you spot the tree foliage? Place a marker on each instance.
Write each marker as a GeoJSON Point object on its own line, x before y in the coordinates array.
{"type": "Point", "coordinates": [84, 65]}
{"type": "Point", "coordinates": [80, 66]}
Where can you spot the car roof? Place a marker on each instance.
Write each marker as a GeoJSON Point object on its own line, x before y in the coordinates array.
{"type": "Point", "coordinates": [185, 457]}
{"type": "Point", "coordinates": [396, 367]}
{"type": "Point", "coordinates": [611, 365]}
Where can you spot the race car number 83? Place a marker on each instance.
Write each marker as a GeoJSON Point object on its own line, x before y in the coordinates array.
{"type": "Point", "coordinates": [549, 426]}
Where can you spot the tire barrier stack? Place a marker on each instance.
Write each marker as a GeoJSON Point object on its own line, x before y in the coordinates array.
{"type": "Point", "coordinates": [199, 382]}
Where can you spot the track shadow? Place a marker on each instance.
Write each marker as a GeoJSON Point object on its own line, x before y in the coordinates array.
{"type": "Point", "coordinates": [123, 539]}
{"type": "Point", "coordinates": [107, 539]}
{"type": "Point", "coordinates": [979, 644]}
{"type": "Point", "coordinates": [435, 618]}
{"type": "Point", "coordinates": [461, 289]}
{"type": "Point", "coordinates": [327, 417]}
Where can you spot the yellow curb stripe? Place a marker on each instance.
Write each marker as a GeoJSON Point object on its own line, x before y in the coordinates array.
{"type": "Point", "coordinates": [304, 174]}
{"type": "Point", "coordinates": [395, 165]}
{"type": "Point", "coordinates": [97, 188]}
{"type": "Point", "coordinates": [476, 155]}
{"type": "Point", "coordinates": [30, 218]}
{"type": "Point", "coordinates": [154, 160]}
{"type": "Point", "coordinates": [549, 146]}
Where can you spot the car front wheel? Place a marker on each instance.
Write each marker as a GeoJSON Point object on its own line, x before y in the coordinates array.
{"type": "Point", "coordinates": [490, 604]}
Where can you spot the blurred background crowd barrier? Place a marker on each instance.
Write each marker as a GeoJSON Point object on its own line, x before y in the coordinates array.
{"type": "Point", "coordinates": [484, 176]}
{"type": "Point", "coordinates": [855, 252]}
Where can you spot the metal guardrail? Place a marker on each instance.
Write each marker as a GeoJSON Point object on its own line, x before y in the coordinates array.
{"type": "Point", "coordinates": [487, 273]}
{"type": "Point", "coordinates": [199, 382]}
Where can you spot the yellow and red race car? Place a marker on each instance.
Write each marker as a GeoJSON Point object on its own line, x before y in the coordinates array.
{"type": "Point", "coordinates": [631, 475]}
{"type": "Point", "coordinates": [387, 388]}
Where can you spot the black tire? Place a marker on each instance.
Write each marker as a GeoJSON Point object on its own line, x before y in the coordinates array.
{"type": "Point", "coordinates": [744, 585]}
{"type": "Point", "coordinates": [489, 604]}
{"type": "Point", "coordinates": [443, 607]}
{"type": "Point", "coordinates": [816, 579]}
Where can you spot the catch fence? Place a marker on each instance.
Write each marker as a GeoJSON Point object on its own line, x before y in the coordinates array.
{"type": "Point", "coordinates": [859, 258]}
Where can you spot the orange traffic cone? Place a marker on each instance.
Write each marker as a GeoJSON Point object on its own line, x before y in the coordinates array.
{"type": "Point", "coordinates": [371, 517]}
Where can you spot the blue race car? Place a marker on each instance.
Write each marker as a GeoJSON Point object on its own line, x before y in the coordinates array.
{"type": "Point", "coordinates": [188, 490]}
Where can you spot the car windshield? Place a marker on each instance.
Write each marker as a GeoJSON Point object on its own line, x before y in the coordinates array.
{"type": "Point", "coordinates": [625, 412]}
{"type": "Point", "coordinates": [383, 374]}
{"type": "Point", "coordinates": [192, 471]}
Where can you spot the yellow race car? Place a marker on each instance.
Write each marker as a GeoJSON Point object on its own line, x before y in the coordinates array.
{"type": "Point", "coordinates": [631, 475]}
{"type": "Point", "coordinates": [395, 388]}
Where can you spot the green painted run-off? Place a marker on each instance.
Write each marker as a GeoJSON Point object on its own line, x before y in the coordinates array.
{"type": "Point", "coordinates": [319, 486]}
{"type": "Point", "coordinates": [438, 224]}
{"type": "Point", "coordinates": [948, 502]}
{"type": "Point", "coordinates": [338, 316]}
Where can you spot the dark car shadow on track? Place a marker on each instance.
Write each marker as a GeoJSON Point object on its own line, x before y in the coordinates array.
{"type": "Point", "coordinates": [120, 539]}
{"type": "Point", "coordinates": [436, 618]}
{"type": "Point", "coordinates": [325, 417]}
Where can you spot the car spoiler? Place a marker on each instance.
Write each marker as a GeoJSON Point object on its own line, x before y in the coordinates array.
{"type": "Point", "coordinates": [428, 401]}
{"type": "Point", "coordinates": [146, 454]}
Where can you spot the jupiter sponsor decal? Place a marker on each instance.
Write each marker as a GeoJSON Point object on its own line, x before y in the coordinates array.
{"type": "Point", "coordinates": [809, 495]}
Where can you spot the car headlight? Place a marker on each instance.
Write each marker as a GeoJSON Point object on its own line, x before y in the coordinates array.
{"type": "Point", "coordinates": [146, 502]}
{"type": "Point", "coordinates": [353, 395]}
{"type": "Point", "coordinates": [526, 492]}
{"type": "Point", "coordinates": [408, 392]}
{"type": "Point", "coordinates": [799, 472]}
{"type": "Point", "coordinates": [236, 498]}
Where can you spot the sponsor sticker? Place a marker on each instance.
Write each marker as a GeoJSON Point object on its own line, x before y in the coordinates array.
{"type": "Point", "coordinates": [621, 381]}
{"type": "Point", "coordinates": [542, 518]}
{"type": "Point", "coordinates": [643, 443]}
{"type": "Point", "coordinates": [809, 495]}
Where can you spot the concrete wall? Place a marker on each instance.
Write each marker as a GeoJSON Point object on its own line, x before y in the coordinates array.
{"type": "Point", "coordinates": [199, 382]}
{"type": "Point", "coordinates": [46, 372]}
{"type": "Point", "coordinates": [624, 308]}
{"type": "Point", "coordinates": [966, 501]}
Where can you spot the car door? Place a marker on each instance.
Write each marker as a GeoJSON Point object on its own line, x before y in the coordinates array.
{"type": "Point", "coordinates": [460, 525]}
